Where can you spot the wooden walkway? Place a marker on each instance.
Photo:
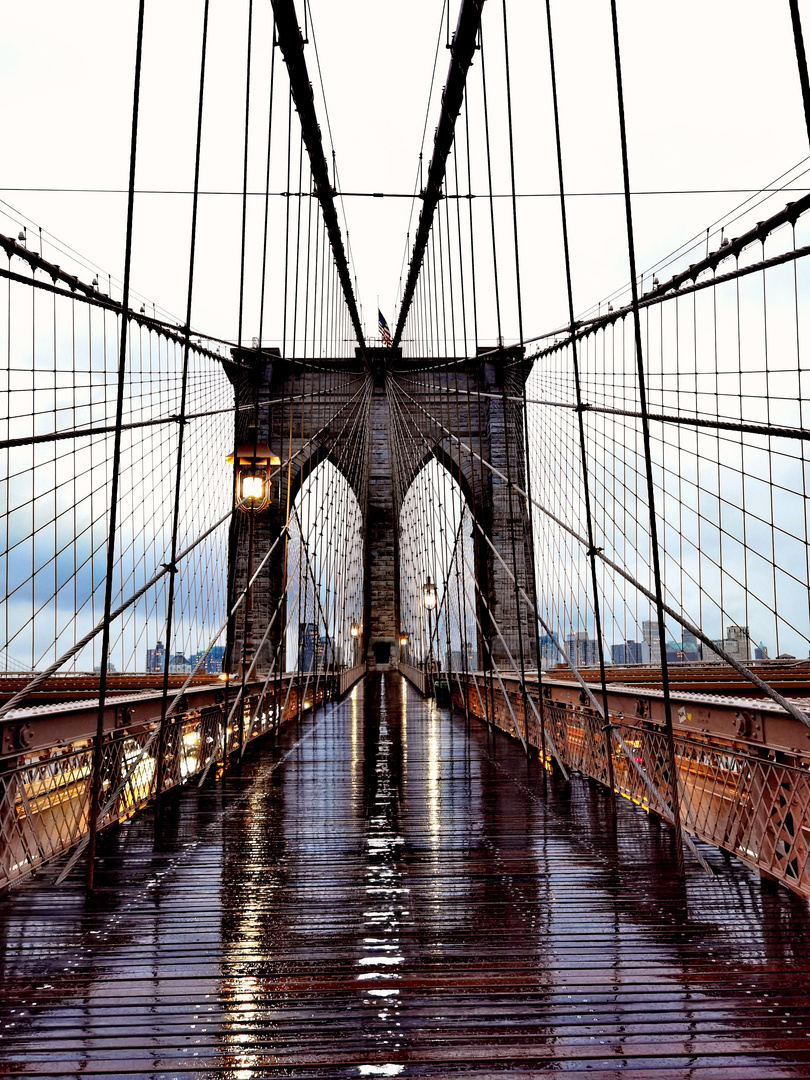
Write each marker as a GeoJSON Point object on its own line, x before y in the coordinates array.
{"type": "Point", "coordinates": [382, 893]}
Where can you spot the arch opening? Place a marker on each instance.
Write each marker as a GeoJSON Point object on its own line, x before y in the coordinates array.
{"type": "Point", "coordinates": [436, 545]}
{"type": "Point", "coordinates": [324, 574]}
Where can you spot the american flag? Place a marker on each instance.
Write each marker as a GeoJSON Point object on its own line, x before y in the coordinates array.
{"type": "Point", "coordinates": [385, 333]}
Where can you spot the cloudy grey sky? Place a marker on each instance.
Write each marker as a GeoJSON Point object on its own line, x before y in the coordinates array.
{"type": "Point", "coordinates": [713, 109]}
{"type": "Point", "coordinates": [712, 95]}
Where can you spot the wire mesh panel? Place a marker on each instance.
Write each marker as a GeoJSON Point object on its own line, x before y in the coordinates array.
{"type": "Point", "coordinates": [725, 371]}
{"type": "Point", "coordinates": [60, 362]}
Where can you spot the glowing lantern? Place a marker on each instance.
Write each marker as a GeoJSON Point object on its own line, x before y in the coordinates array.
{"type": "Point", "coordinates": [429, 594]}
{"type": "Point", "coordinates": [253, 486]}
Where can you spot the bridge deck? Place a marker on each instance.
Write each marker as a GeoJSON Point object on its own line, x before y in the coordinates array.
{"type": "Point", "coordinates": [379, 895]}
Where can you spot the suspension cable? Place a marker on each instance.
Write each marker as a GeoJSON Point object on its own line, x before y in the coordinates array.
{"type": "Point", "coordinates": [116, 462]}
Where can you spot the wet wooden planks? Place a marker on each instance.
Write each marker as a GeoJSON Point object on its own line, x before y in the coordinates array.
{"type": "Point", "coordinates": [384, 893]}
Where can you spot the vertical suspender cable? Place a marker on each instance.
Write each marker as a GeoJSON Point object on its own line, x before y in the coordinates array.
{"type": "Point", "coordinates": [116, 463]}
{"type": "Point", "coordinates": [526, 448]}
{"type": "Point", "coordinates": [460, 257]}
{"type": "Point", "coordinates": [505, 407]}
{"type": "Point", "coordinates": [437, 221]}
{"type": "Point", "coordinates": [645, 429]}
{"type": "Point", "coordinates": [580, 412]}
{"type": "Point", "coordinates": [246, 630]}
{"type": "Point", "coordinates": [287, 229]}
{"type": "Point", "coordinates": [448, 233]}
{"type": "Point", "coordinates": [245, 178]}
{"type": "Point", "coordinates": [273, 47]}
{"type": "Point", "coordinates": [491, 198]}
{"type": "Point", "coordinates": [297, 250]}
{"type": "Point", "coordinates": [161, 754]}
{"type": "Point", "coordinates": [248, 607]}
{"type": "Point", "coordinates": [485, 659]}
{"type": "Point", "coordinates": [472, 226]}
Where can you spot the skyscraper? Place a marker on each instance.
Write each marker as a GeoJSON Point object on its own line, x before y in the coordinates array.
{"type": "Point", "coordinates": [652, 639]}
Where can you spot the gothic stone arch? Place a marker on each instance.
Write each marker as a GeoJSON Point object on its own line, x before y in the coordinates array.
{"type": "Point", "coordinates": [488, 421]}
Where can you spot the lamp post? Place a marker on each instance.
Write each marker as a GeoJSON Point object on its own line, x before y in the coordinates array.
{"type": "Point", "coordinates": [252, 495]}
{"type": "Point", "coordinates": [355, 632]}
{"type": "Point", "coordinates": [430, 597]}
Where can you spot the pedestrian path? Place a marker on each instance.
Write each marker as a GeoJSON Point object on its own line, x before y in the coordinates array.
{"type": "Point", "coordinates": [384, 891]}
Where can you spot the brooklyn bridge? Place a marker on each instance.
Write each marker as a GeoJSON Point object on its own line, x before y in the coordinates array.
{"type": "Point", "coordinates": [427, 693]}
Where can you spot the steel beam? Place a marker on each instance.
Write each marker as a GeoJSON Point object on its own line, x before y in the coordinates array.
{"type": "Point", "coordinates": [291, 43]}
{"type": "Point", "coordinates": [31, 729]}
{"type": "Point", "coordinates": [461, 55]}
{"type": "Point", "coordinates": [753, 725]}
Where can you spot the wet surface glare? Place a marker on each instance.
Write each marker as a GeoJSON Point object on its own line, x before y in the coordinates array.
{"type": "Point", "coordinates": [386, 892]}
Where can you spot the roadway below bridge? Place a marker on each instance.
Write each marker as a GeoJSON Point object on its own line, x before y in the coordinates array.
{"type": "Point", "coordinates": [387, 890]}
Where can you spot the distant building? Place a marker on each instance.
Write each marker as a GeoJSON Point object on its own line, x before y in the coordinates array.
{"type": "Point", "coordinates": [691, 644]}
{"type": "Point", "coordinates": [155, 658]}
{"type": "Point", "coordinates": [178, 664]}
{"type": "Point", "coordinates": [628, 652]}
{"type": "Point", "coordinates": [454, 660]}
{"type": "Point", "coordinates": [737, 644]}
{"type": "Point", "coordinates": [210, 664]}
{"type": "Point", "coordinates": [215, 660]}
{"type": "Point", "coordinates": [687, 651]}
{"type": "Point", "coordinates": [324, 653]}
{"type": "Point", "coordinates": [652, 639]}
{"type": "Point", "coordinates": [306, 646]}
{"type": "Point", "coordinates": [583, 650]}
{"type": "Point", "coordinates": [458, 661]}
{"type": "Point", "coordinates": [549, 651]}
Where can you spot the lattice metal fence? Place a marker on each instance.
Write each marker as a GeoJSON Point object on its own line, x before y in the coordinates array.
{"type": "Point", "coordinates": [754, 803]}
{"type": "Point", "coordinates": [45, 795]}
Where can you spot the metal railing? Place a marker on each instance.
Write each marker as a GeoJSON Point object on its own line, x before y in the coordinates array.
{"type": "Point", "coordinates": [45, 792]}
{"type": "Point", "coordinates": [744, 795]}
{"type": "Point", "coordinates": [349, 676]}
{"type": "Point", "coordinates": [414, 675]}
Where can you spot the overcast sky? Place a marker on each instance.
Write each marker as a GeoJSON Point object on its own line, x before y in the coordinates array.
{"type": "Point", "coordinates": [713, 109]}
{"type": "Point", "coordinates": [712, 96]}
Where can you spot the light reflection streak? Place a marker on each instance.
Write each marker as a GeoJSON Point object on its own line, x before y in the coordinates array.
{"type": "Point", "coordinates": [354, 735]}
{"type": "Point", "coordinates": [380, 949]}
{"type": "Point", "coordinates": [434, 778]}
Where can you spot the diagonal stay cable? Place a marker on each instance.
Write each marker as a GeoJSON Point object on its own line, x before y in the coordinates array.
{"type": "Point", "coordinates": [740, 668]}
{"type": "Point", "coordinates": [713, 423]}
{"type": "Point", "coordinates": [491, 618]}
{"type": "Point", "coordinates": [76, 648]}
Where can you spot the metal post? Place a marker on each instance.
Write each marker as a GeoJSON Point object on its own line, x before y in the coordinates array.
{"type": "Point", "coordinates": [645, 429]}
{"type": "Point", "coordinates": [95, 797]}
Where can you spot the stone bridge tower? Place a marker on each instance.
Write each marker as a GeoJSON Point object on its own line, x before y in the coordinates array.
{"type": "Point", "coordinates": [457, 403]}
